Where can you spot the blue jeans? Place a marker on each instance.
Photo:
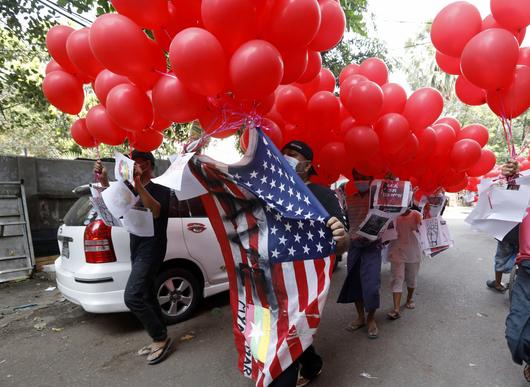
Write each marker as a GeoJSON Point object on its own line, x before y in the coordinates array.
{"type": "Point", "coordinates": [363, 281]}
{"type": "Point", "coordinates": [140, 294]}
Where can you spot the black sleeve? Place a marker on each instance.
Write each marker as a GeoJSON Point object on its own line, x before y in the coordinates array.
{"type": "Point", "coordinates": [329, 201]}
{"type": "Point", "coordinates": [162, 195]}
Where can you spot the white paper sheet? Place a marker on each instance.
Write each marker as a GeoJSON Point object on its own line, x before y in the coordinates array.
{"type": "Point", "coordinates": [139, 221]}
{"type": "Point", "coordinates": [374, 225]}
{"type": "Point", "coordinates": [99, 205]}
{"type": "Point", "coordinates": [123, 168]}
{"type": "Point", "coordinates": [179, 178]}
{"type": "Point", "coordinates": [119, 199]}
{"type": "Point", "coordinates": [433, 234]}
{"type": "Point", "coordinates": [495, 228]}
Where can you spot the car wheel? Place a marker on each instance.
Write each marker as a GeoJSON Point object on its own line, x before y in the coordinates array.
{"type": "Point", "coordinates": [178, 292]}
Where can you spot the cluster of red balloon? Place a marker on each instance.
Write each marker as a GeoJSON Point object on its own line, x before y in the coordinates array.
{"type": "Point", "coordinates": [373, 127]}
{"type": "Point", "coordinates": [485, 54]}
{"type": "Point", "coordinates": [229, 60]}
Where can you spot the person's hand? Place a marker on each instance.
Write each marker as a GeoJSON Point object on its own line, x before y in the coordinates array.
{"type": "Point", "coordinates": [137, 175]}
{"type": "Point", "coordinates": [510, 168]}
{"type": "Point", "coordinates": [338, 230]}
{"type": "Point", "coordinates": [101, 173]}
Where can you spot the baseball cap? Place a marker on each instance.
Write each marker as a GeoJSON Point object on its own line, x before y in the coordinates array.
{"type": "Point", "coordinates": [136, 154]}
{"type": "Point", "coordinates": [302, 148]}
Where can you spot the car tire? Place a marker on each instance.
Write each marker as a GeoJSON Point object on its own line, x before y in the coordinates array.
{"type": "Point", "coordinates": [178, 292]}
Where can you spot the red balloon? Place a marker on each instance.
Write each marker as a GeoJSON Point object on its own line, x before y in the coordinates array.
{"type": "Point", "coordinates": [364, 101]}
{"type": "Point", "coordinates": [476, 132]}
{"type": "Point", "coordinates": [515, 99]}
{"type": "Point", "coordinates": [102, 128]}
{"type": "Point", "coordinates": [291, 103]}
{"type": "Point", "coordinates": [513, 14]}
{"type": "Point", "coordinates": [285, 15]}
{"type": "Point", "coordinates": [452, 122]}
{"type": "Point", "coordinates": [64, 91]}
{"type": "Point", "coordinates": [327, 80]}
{"type": "Point", "coordinates": [345, 125]}
{"type": "Point", "coordinates": [454, 26]}
{"type": "Point", "coordinates": [314, 65]}
{"type": "Point", "coordinates": [445, 138]}
{"type": "Point", "coordinates": [423, 107]}
{"type": "Point", "coordinates": [350, 69]}
{"type": "Point", "coordinates": [129, 107]}
{"type": "Point", "coordinates": [273, 131]}
{"type": "Point", "coordinates": [232, 22]}
{"type": "Point", "coordinates": [488, 60]}
{"type": "Point", "coordinates": [294, 64]}
{"type": "Point", "coordinates": [426, 143]}
{"type": "Point", "coordinates": [333, 22]}
{"type": "Point", "coordinates": [524, 56]}
{"type": "Point", "coordinates": [120, 45]}
{"type": "Point", "coordinates": [460, 186]}
{"type": "Point", "coordinates": [81, 135]}
{"type": "Point", "coordinates": [56, 43]}
{"type": "Point", "coordinates": [490, 22]}
{"type": "Point", "coordinates": [80, 53]}
{"type": "Point", "coordinates": [394, 98]}
{"type": "Point", "coordinates": [375, 70]}
{"type": "Point", "coordinates": [220, 125]}
{"type": "Point", "coordinates": [105, 82]}
{"type": "Point", "coordinates": [183, 14]}
{"type": "Point", "coordinates": [53, 66]}
{"type": "Point", "coordinates": [348, 83]}
{"type": "Point", "coordinates": [331, 158]}
{"type": "Point", "coordinates": [465, 154]}
{"type": "Point", "coordinates": [256, 69]}
{"type": "Point", "coordinates": [198, 60]}
{"type": "Point", "coordinates": [468, 93]}
{"type": "Point", "coordinates": [393, 131]}
{"type": "Point", "coordinates": [147, 14]}
{"type": "Point", "coordinates": [323, 110]}
{"type": "Point", "coordinates": [407, 152]}
{"type": "Point", "coordinates": [159, 124]}
{"type": "Point", "coordinates": [146, 140]}
{"type": "Point", "coordinates": [173, 101]}
{"type": "Point", "coordinates": [449, 64]}
{"type": "Point", "coordinates": [361, 143]}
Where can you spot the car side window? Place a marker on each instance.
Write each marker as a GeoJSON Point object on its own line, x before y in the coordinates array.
{"type": "Point", "coordinates": [196, 208]}
{"type": "Point", "coordinates": [177, 208]}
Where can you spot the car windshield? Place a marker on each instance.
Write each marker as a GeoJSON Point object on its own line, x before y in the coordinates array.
{"type": "Point", "coordinates": [81, 213]}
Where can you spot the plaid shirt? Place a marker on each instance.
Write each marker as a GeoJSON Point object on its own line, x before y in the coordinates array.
{"type": "Point", "coordinates": [357, 208]}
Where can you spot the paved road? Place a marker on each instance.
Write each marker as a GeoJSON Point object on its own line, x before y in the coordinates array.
{"type": "Point", "coordinates": [455, 337]}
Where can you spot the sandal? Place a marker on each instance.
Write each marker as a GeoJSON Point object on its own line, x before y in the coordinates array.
{"type": "Point", "coordinates": [144, 351]}
{"type": "Point", "coordinates": [373, 333]}
{"type": "Point", "coordinates": [355, 325]}
{"type": "Point", "coordinates": [493, 285]}
{"type": "Point", "coordinates": [160, 354]}
{"type": "Point", "coordinates": [393, 315]}
{"type": "Point", "coordinates": [526, 372]}
{"type": "Point", "coordinates": [410, 305]}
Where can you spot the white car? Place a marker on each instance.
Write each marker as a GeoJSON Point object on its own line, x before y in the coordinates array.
{"type": "Point", "coordinates": [94, 264]}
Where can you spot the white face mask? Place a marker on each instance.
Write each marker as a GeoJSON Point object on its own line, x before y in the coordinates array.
{"type": "Point", "coordinates": [291, 161]}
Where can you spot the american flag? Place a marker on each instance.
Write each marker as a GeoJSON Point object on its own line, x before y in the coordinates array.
{"type": "Point", "coordinates": [278, 252]}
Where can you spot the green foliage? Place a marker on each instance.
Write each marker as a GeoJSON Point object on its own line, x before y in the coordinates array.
{"type": "Point", "coordinates": [354, 10]}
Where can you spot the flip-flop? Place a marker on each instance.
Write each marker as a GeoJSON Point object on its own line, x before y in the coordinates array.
{"type": "Point", "coordinates": [165, 352]}
{"type": "Point", "coordinates": [526, 373]}
{"type": "Point", "coordinates": [144, 351]}
{"type": "Point", "coordinates": [393, 315]}
{"type": "Point", "coordinates": [410, 305]}
{"type": "Point", "coordinates": [374, 334]}
{"type": "Point", "coordinates": [354, 326]}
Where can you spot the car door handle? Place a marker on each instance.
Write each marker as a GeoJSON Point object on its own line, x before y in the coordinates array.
{"type": "Point", "coordinates": [197, 228]}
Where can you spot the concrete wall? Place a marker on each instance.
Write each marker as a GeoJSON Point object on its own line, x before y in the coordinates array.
{"type": "Point", "coordinates": [49, 185]}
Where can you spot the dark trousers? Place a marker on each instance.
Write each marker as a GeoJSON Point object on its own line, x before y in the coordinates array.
{"type": "Point", "coordinates": [309, 364]}
{"type": "Point", "coordinates": [364, 276]}
{"type": "Point", "coordinates": [140, 296]}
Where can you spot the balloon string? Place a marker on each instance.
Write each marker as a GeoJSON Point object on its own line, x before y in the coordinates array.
{"type": "Point", "coordinates": [98, 158]}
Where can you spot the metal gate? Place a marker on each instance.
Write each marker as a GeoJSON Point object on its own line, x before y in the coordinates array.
{"type": "Point", "coordinates": [16, 250]}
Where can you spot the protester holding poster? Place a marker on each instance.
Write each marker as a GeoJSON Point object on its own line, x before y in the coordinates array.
{"type": "Point", "coordinates": [404, 255]}
{"type": "Point", "coordinates": [147, 255]}
{"type": "Point", "coordinates": [364, 261]}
